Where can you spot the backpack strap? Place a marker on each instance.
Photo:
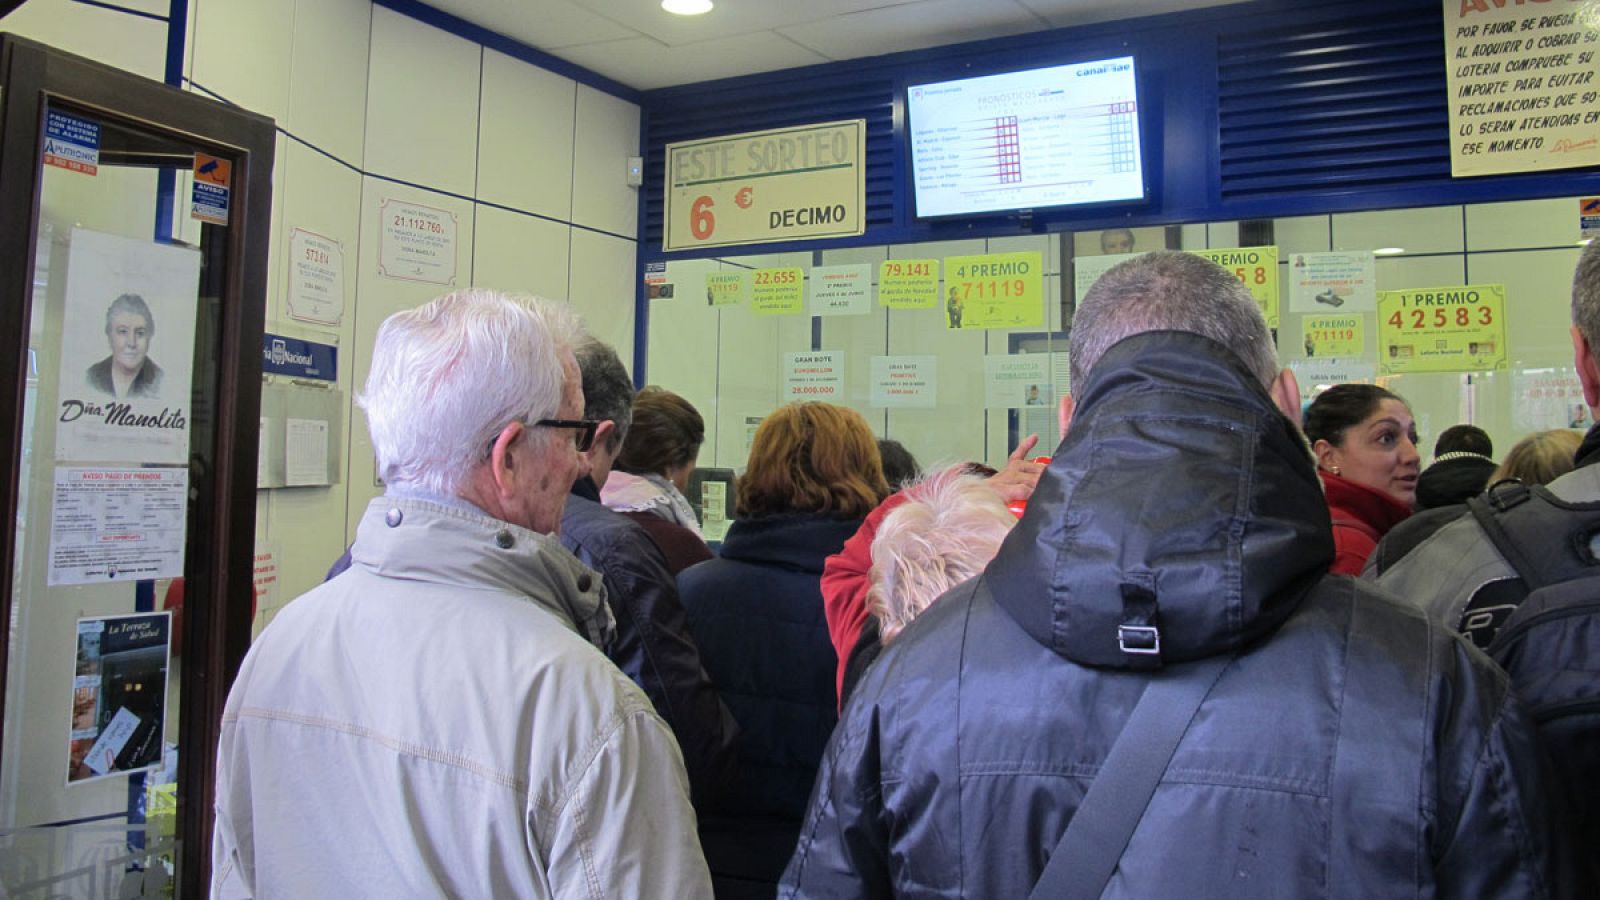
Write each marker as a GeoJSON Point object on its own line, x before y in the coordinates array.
{"type": "Point", "coordinates": [1092, 846]}
{"type": "Point", "coordinates": [1545, 539]}
{"type": "Point", "coordinates": [1505, 495]}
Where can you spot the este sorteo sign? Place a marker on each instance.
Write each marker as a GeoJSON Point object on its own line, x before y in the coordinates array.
{"type": "Point", "coordinates": [763, 186]}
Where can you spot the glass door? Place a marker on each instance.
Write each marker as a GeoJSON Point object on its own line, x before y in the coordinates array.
{"type": "Point", "coordinates": [132, 448]}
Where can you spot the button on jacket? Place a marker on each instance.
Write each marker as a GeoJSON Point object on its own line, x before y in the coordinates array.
{"type": "Point", "coordinates": [437, 722]}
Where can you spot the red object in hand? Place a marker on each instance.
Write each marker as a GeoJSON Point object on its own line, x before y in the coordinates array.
{"type": "Point", "coordinates": [1018, 507]}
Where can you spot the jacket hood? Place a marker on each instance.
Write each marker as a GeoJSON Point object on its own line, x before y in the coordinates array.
{"type": "Point", "coordinates": [1180, 518]}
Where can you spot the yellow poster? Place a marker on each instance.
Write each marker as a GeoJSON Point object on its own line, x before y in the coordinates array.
{"type": "Point", "coordinates": [778, 292]}
{"type": "Point", "coordinates": [909, 283]}
{"type": "Point", "coordinates": [998, 290]}
{"type": "Point", "coordinates": [1442, 329]}
{"type": "Point", "coordinates": [1257, 267]}
{"type": "Point", "coordinates": [785, 184]}
{"type": "Point", "coordinates": [725, 288]}
{"type": "Point", "coordinates": [1335, 337]}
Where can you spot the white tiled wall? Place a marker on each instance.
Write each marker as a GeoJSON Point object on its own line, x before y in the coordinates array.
{"type": "Point", "coordinates": [366, 97]}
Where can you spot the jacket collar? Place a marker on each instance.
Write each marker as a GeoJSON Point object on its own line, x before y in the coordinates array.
{"type": "Point", "coordinates": [1373, 507]}
{"type": "Point", "coordinates": [797, 541]}
{"type": "Point", "coordinates": [1181, 500]}
{"type": "Point", "coordinates": [448, 542]}
{"type": "Point", "coordinates": [1589, 450]}
{"type": "Point", "coordinates": [1455, 455]}
{"type": "Point", "coordinates": [585, 487]}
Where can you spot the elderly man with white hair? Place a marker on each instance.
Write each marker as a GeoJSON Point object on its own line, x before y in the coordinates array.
{"type": "Point", "coordinates": [438, 720]}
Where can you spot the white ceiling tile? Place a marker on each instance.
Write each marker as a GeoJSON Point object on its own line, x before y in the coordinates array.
{"type": "Point", "coordinates": [727, 18]}
{"type": "Point", "coordinates": [537, 23]}
{"type": "Point", "coordinates": [638, 44]}
{"type": "Point", "coordinates": [645, 64]}
{"type": "Point", "coordinates": [912, 26]}
{"type": "Point", "coordinates": [1062, 13]}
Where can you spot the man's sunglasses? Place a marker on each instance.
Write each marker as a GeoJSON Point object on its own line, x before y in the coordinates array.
{"type": "Point", "coordinates": [584, 427]}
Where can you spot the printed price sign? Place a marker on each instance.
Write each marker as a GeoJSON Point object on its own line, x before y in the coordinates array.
{"type": "Point", "coordinates": [908, 283]}
{"type": "Point", "coordinates": [1257, 267]}
{"type": "Point", "coordinates": [786, 184]}
{"type": "Point", "coordinates": [725, 289]}
{"type": "Point", "coordinates": [998, 290]}
{"type": "Point", "coordinates": [1338, 337]}
{"type": "Point", "coordinates": [778, 292]}
{"type": "Point", "coordinates": [1443, 329]}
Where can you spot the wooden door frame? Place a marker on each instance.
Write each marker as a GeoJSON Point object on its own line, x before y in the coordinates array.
{"type": "Point", "coordinates": [215, 634]}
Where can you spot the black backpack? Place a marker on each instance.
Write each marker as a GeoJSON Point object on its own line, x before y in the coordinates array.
{"type": "Point", "coordinates": [1546, 541]}
{"type": "Point", "coordinates": [1549, 639]}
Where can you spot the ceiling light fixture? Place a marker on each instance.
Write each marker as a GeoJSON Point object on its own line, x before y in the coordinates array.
{"type": "Point", "coordinates": [1388, 251]}
{"type": "Point", "coordinates": [686, 7]}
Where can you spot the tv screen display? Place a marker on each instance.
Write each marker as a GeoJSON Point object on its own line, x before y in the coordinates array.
{"type": "Point", "coordinates": [1058, 136]}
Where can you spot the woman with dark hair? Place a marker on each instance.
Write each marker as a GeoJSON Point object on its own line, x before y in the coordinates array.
{"type": "Point", "coordinates": [899, 466]}
{"type": "Point", "coordinates": [1365, 442]}
{"type": "Point", "coordinates": [756, 612]}
{"type": "Point", "coordinates": [652, 471]}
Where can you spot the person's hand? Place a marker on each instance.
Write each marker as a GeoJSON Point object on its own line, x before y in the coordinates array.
{"type": "Point", "coordinates": [1016, 481]}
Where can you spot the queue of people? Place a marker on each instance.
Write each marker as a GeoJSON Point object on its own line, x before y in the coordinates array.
{"type": "Point", "coordinates": [1163, 677]}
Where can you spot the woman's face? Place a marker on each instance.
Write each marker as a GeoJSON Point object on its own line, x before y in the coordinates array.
{"type": "Point", "coordinates": [1380, 452]}
{"type": "Point", "coordinates": [129, 337]}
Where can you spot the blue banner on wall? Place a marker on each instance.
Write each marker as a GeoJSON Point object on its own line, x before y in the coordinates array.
{"type": "Point", "coordinates": [299, 359]}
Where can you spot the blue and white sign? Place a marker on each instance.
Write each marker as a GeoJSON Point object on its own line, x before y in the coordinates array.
{"type": "Point", "coordinates": [71, 143]}
{"type": "Point", "coordinates": [299, 359]}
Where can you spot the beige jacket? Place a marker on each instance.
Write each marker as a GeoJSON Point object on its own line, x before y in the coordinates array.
{"type": "Point", "coordinates": [436, 722]}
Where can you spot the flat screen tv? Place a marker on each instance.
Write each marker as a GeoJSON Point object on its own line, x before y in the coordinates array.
{"type": "Point", "coordinates": [1038, 138]}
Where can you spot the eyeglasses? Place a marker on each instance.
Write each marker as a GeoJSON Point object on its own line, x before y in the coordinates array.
{"type": "Point", "coordinates": [585, 428]}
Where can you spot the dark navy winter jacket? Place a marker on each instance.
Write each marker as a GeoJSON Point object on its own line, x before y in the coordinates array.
{"type": "Point", "coordinates": [756, 613]}
{"type": "Point", "coordinates": [1350, 749]}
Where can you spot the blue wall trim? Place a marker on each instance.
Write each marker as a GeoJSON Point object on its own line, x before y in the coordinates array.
{"type": "Point", "coordinates": [177, 20]}
{"type": "Point", "coordinates": [459, 27]}
{"type": "Point", "coordinates": [1264, 109]}
{"type": "Point", "coordinates": [123, 9]}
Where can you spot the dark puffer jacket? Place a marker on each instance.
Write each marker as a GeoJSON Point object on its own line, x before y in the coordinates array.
{"type": "Point", "coordinates": [757, 615]}
{"type": "Point", "coordinates": [1352, 749]}
{"type": "Point", "coordinates": [653, 645]}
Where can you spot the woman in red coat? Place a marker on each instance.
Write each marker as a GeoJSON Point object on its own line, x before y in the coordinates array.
{"type": "Point", "coordinates": [1365, 441]}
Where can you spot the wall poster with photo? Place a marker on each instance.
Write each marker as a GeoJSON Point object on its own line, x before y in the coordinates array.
{"type": "Point", "coordinates": [127, 347]}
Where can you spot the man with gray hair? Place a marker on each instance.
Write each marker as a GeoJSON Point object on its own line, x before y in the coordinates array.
{"type": "Point", "coordinates": [653, 645]}
{"type": "Point", "coordinates": [1156, 689]}
{"type": "Point", "coordinates": [438, 720]}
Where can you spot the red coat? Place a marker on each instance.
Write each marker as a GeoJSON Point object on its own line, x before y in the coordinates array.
{"type": "Point", "coordinates": [845, 583]}
{"type": "Point", "coordinates": [1361, 517]}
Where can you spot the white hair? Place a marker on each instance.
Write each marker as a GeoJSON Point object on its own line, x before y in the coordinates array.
{"type": "Point", "coordinates": [946, 531]}
{"type": "Point", "coordinates": [447, 376]}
